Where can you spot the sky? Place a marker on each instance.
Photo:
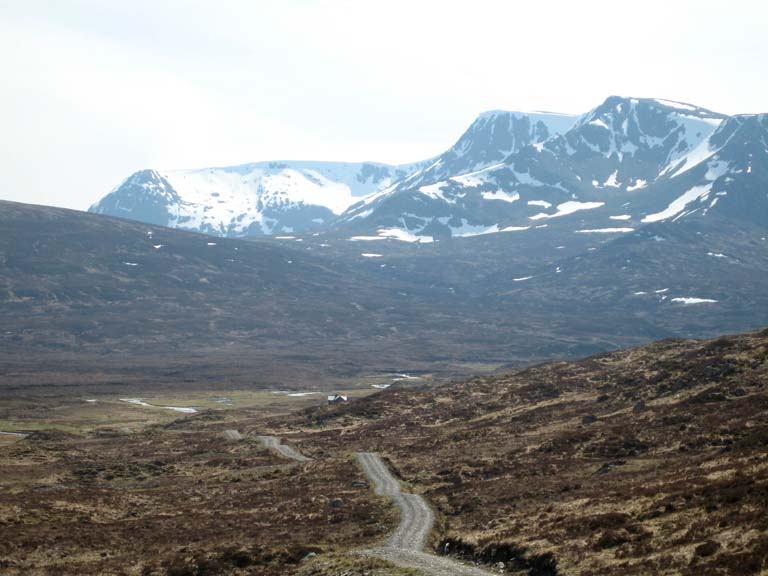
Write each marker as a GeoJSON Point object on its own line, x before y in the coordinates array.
{"type": "Point", "coordinates": [93, 90]}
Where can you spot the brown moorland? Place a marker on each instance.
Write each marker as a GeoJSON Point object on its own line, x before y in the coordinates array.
{"type": "Point", "coordinates": [652, 460]}
{"type": "Point", "coordinates": [179, 499]}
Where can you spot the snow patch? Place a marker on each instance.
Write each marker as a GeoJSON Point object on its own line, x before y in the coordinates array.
{"type": "Point", "coordinates": [363, 214]}
{"type": "Point", "coordinates": [687, 300]}
{"type": "Point", "coordinates": [294, 394]}
{"type": "Point", "coordinates": [568, 208]}
{"type": "Point", "coordinates": [477, 178]}
{"type": "Point", "coordinates": [403, 235]}
{"type": "Point", "coordinates": [678, 205]}
{"type": "Point", "coordinates": [501, 195]}
{"type": "Point", "coordinates": [140, 402]}
{"type": "Point", "coordinates": [676, 105]}
{"type": "Point", "coordinates": [404, 376]}
{"type": "Point", "coordinates": [715, 169]}
{"type": "Point", "coordinates": [696, 145]}
{"type": "Point", "coordinates": [604, 230]}
{"type": "Point", "coordinates": [467, 230]}
{"type": "Point", "coordinates": [435, 192]}
{"type": "Point", "coordinates": [612, 182]}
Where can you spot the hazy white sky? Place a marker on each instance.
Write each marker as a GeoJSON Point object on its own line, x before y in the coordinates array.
{"type": "Point", "coordinates": [93, 90]}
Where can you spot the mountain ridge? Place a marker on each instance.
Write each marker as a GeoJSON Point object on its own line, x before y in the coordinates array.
{"type": "Point", "coordinates": [256, 198]}
{"type": "Point", "coordinates": [503, 174]}
{"type": "Point", "coordinates": [246, 215]}
{"type": "Point", "coordinates": [625, 151]}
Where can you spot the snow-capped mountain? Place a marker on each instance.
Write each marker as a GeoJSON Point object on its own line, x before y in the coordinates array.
{"type": "Point", "coordinates": [248, 200]}
{"type": "Point", "coordinates": [626, 163]}
{"type": "Point", "coordinates": [628, 142]}
{"type": "Point", "coordinates": [491, 138]}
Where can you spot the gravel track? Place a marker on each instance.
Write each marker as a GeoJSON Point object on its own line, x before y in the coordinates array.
{"type": "Point", "coordinates": [405, 546]}
{"type": "Point", "coordinates": [274, 444]}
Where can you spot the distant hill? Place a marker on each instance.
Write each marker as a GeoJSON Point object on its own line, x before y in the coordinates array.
{"type": "Point", "coordinates": [96, 301]}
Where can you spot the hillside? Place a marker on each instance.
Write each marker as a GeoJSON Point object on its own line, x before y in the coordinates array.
{"type": "Point", "coordinates": [87, 300]}
{"type": "Point", "coordinates": [647, 460]}
{"type": "Point", "coordinates": [652, 460]}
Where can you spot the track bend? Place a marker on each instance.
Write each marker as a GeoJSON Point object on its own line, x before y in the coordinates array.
{"type": "Point", "coordinates": [405, 546]}
{"type": "Point", "coordinates": [274, 444]}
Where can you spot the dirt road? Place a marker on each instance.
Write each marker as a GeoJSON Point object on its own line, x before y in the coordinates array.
{"type": "Point", "coordinates": [274, 444]}
{"type": "Point", "coordinates": [405, 547]}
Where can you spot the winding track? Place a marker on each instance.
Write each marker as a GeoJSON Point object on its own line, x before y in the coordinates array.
{"type": "Point", "coordinates": [274, 444]}
{"type": "Point", "coordinates": [405, 547]}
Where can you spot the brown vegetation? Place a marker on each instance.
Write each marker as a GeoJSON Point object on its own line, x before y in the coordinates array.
{"type": "Point", "coordinates": [649, 460]}
{"type": "Point", "coordinates": [177, 500]}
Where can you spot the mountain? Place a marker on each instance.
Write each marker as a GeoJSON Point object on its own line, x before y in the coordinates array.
{"type": "Point", "coordinates": [491, 138]}
{"type": "Point", "coordinates": [290, 197]}
{"type": "Point", "coordinates": [626, 143]}
{"type": "Point", "coordinates": [627, 163]}
{"type": "Point", "coordinates": [534, 237]}
{"type": "Point", "coordinates": [248, 200]}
